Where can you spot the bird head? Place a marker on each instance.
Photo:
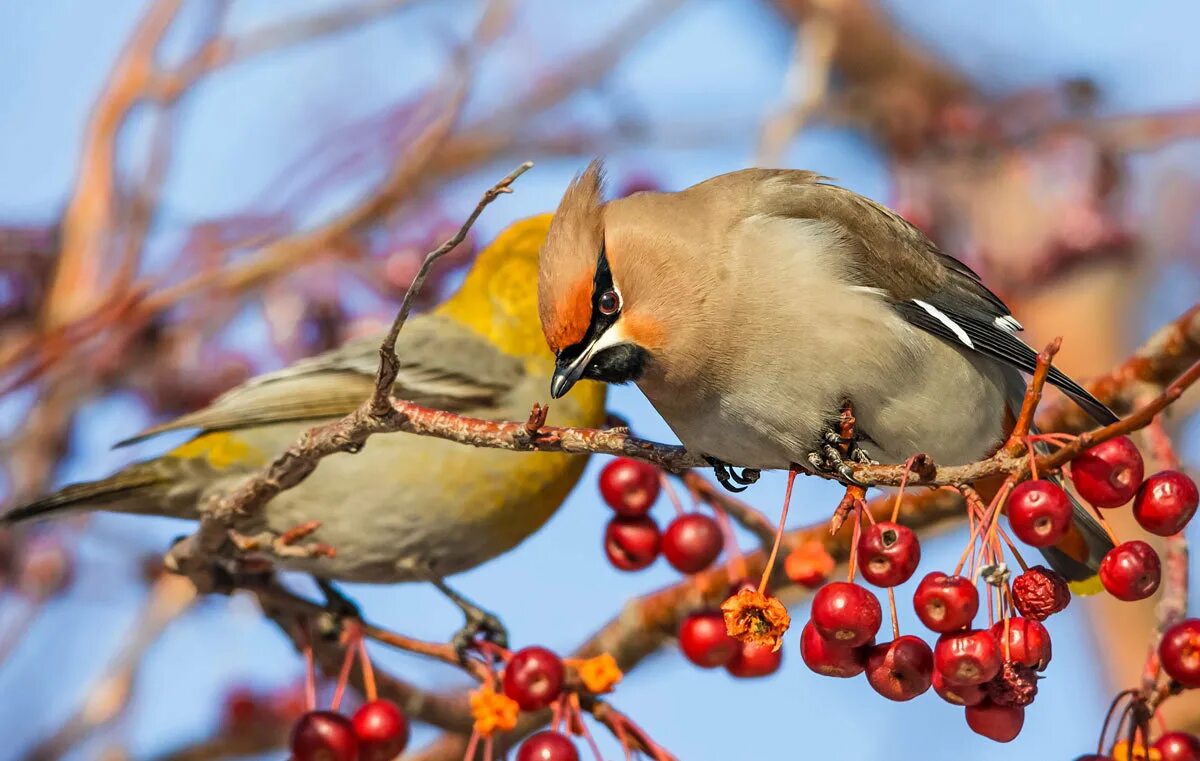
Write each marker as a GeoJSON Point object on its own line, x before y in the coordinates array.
{"type": "Point", "coordinates": [598, 285]}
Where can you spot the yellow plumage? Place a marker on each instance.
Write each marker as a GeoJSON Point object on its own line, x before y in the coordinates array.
{"type": "Point", "coordinates": [406, 507]}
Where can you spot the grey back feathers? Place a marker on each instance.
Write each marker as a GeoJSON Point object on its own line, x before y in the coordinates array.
{"type": "Point", "coordinates": [930, 289]}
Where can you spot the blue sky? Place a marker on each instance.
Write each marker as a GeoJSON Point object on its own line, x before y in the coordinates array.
{"type": "Point", "coordinates": [715, 59]}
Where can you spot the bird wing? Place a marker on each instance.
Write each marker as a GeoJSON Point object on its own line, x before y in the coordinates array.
{"type": "Point", "coordinates": [442, 365]}
{"type": "Point", "coordinates": [928, 288]}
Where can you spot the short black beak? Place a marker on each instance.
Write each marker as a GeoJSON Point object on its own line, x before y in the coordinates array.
{"type": "Point", "coordinates": [565, 376]}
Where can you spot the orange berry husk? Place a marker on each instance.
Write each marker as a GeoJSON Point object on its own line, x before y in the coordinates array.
{"type": "Point", "coordinates": [599, 674]}
{"type": "Point", "coordinates": [493, 711]}
{"type": "Point", "coordinates": [751, 616]}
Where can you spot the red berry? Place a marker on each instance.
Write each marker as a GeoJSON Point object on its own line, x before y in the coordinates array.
{"type": "Point", "coordinates": [629, 486]}
{"type": "Point", "coordinates": [1131, 571]}
{"type": "Point", "coordinates": [999, 723]}
{"type": "Point", "coordinates": [1028, 642]}
{"type": "Point", "coordinates": [754, 660]}
{"type": "Point", "coordinates": [1166, 502]}
{"type": "Point", "coordinates": [704, 641]}
{"type": "Point", "coordinates": [242, 710]}
{"type": "Point", "coordinates": [901, 669]}
{"type": "Point", "coordinates": [547, 746]}
{"type": "Point", "coordinates": [946, 603]}
{"type": "Point", "coordinates": [1179, 652]}
{"type": "Point", "coordinates": [846, 613]}
{"type": "Point", "coordinates": [533, 678]}
{"type": "Point", "coordinates": [1039, 512]}
{"type": "Point", "coordinates": [1108, 474]}
{"type": "Point", "coordinates": [382, 730]}
{"type": "Point", "coordinates": [958, 694]}
{"type": "Point", "coordinates": [829, 658]}
{"type": "Point", "coordinates": [1178, 746]}
{"type": "Point", "coordinates": [631, 543]}
{"type": "Point", "coordinates": [692, 542]}
{"type": "Point", "coordinates": [324, 736]}
{"type": "Point", "coordinates": [888, 554]}
{"type": "Point", "coordinates": [970, 657]}
{"type": "Point", "coordinates": [1040, 592]}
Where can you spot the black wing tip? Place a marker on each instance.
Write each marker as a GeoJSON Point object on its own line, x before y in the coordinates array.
{"type": "Point", "coordinates": [42, 508]}
{"type": "Point", "coordinates": [1095, 408]}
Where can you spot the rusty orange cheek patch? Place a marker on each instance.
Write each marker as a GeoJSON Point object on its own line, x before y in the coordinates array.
{"type": "Point", "coordinates": [565, 321]}
{"type": "Point", "coordinates": [643, 329]}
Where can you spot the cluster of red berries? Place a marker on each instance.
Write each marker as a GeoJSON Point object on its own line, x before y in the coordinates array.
{"type": "Point", "coordinates": [632, 539]}
{"type": "Point", "coordinates": [378, 731]}
{"type": "Point", "coordinates": [533, 678]}
{"type": "Point", "coordinates": [1163, 504]}
{"type": "Point", "coordinates": [1109, 475]}
{"type": "Point", "coordinates": [691, 543]}
{"type": "Point", "coordinates": [991, 672]}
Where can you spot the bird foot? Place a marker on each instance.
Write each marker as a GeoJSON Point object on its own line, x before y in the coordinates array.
{"type": "Point", "coordinates": [479, 623]}
{"type": "Point", "coordinates": [337, 603]}
{"type": "Point", "coordinates": [338, 610]}
{"type": "Point", "coordinates": [834, 456]}
{"type": "Point", "coordinates": [729, 478]}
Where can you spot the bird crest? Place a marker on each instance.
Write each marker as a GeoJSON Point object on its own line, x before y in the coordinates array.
{"type": "Point", "coordinates": [568, 260]}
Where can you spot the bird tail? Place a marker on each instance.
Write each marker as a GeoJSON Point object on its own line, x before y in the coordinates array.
{"type": "Point", "coordinates": [131, 490]}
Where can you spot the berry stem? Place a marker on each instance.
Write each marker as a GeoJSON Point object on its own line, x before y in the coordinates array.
{"type": "Point", "coordinates": [556, 712]}
{"type": "Point", "coordinates": [787, 499]}
{"type": "Point", "coordinates": [343, 676]}
{"type": "Point", "coordinates": [852, 561]}
{"type": "Point", "coordinates": [908, 464]}
{"type": "Point", "coordinates": [472, 746]}
{"type": "Point", "coordinates": [618, 728]}
{"type": "Point", "coordinates": [737, 561]}
{"type": "Point", "coordinates": [985, 520]}
{"type": "Point", "coordinates": [895, 618]}
{"type": "Point", "coordinates": [1013, 549]}
{"type": "Point", "coordinates": [1032, 457]}
{"type": "Point", "coordinates": [577, 712]}
{"type": "Point", "coordinates": [671, 494]}
{"type": "Point", "coordinates": [367, 669]}
{"type": "Point", "coordinates": [1112, 535]}
{"type": "Point", "coordinates": [310, 679]}
{"type": "Point", "coordinates": [1112, 709]}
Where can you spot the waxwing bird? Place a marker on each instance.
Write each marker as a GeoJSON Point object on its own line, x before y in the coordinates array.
{"type": "Point", "coordinates": [750, 307]}
{"type": "Point", "coordinates": [405, 508]}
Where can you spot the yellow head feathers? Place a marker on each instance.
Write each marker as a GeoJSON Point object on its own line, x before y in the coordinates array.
{"type": "Point", "coordinates": [498, 297]}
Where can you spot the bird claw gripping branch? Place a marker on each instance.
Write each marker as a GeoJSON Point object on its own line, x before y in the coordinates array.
{"type": "Point", "coordinates": [729, 478]}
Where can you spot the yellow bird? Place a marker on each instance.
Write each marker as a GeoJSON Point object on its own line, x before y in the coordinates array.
{"type": "Point", "coordinates": [406, 508]}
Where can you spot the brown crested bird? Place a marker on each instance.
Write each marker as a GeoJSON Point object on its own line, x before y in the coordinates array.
{"type": "Point", "coordinates": [751, 307]}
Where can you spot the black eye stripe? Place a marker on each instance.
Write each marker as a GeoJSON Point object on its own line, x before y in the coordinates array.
{"type": "Point", "coordinates": [601, 321]}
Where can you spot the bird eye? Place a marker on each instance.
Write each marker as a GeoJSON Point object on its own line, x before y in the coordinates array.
{"type": "Point", "coordinates": [609, 303]}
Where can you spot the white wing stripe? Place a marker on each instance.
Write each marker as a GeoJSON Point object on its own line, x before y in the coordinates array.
{"type": "Point", "coordinates": [941, 317]}
{"type": "Point", "coordinates": [1009, 323]}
